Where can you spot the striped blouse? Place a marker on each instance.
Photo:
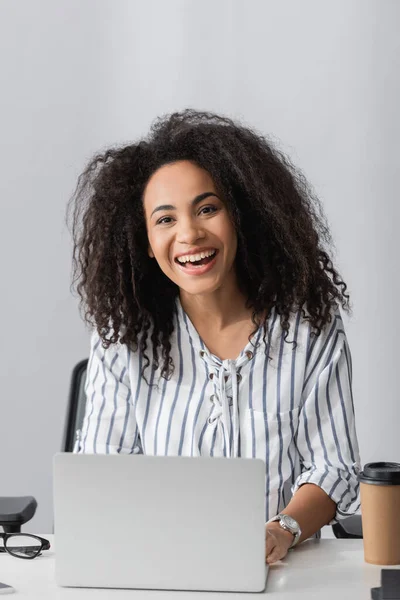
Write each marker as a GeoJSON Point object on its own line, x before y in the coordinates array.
{"type": "Point", "coordinates": [294, 411]}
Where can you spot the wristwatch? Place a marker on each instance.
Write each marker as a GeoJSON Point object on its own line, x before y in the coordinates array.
{"type": "Point", "coordinates": [289, 524]}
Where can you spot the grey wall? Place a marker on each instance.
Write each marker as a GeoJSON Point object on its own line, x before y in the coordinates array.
{"type": "Point", "coordinates": [320, 77]}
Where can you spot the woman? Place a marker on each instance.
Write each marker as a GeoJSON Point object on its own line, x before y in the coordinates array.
{"type": "Point", "coordinates": [201, 263]}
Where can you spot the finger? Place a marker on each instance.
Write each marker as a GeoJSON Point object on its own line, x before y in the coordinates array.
{"type": "Point", "coordinates": [270, 543]}
{"type": "Point", "coordinates": [269, 548]}
{"type": "Point", "coordinates": [276, 554]}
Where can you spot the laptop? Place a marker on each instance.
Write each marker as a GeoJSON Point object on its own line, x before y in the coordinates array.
{"type": "Point", "coordinates": [158, 522]}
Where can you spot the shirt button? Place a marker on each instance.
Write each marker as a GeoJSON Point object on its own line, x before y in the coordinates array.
{"type": "Point", "coordinates": [249, 354]}
{"type": "Point", "coordinates": [211, 375]}
{"type": "Point", "coordinates": [202, 353]}
{"type": "Point", "coordinates": [239, 377]}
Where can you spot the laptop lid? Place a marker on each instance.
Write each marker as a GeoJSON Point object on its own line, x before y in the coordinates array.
{"type": "Point", "coordinates": [152, 522]}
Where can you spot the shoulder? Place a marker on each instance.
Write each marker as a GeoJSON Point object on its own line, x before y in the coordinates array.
{"type": "Point", "coordinates": [116, 357]}
{"type": "Point", "coordinates": [329, 347]}
{"type": "Point", "coordinates": [329, 332]}
{"type": "Point", "coordinates": [308, 340]}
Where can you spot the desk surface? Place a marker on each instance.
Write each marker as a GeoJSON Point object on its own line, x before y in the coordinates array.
{"type": "Point", "coordinates": [327, 568]}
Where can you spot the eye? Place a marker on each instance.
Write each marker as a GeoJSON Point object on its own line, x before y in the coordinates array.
{"type": "Point", "coordinates": [163, 221]}
{"type": "Point", "coordinates": [209, 209]}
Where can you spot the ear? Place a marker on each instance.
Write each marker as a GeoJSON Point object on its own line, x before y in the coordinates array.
{"type": "Point", "coordinates": [150, 252]}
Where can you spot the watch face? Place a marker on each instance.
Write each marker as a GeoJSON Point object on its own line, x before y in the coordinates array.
{"type": "Point", "coordinates": [290, 522]}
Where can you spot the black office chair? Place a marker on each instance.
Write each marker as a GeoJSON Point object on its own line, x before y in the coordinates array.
{"type": "Point", "coordinates": [76, 406]}
{"type": "Point", "coordinates": [17, 510]}
{"type": "Point", "coordinates": [349, 528]}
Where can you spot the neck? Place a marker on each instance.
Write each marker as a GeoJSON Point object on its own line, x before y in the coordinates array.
{"type": "Point", "coordinates": [216, 310]}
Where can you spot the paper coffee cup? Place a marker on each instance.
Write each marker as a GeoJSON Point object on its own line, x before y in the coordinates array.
{"type": "Point", "coordinates": [380, 512]}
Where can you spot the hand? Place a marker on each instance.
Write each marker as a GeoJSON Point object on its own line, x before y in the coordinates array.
{"type": "Point", "coordinates": [277, 542]}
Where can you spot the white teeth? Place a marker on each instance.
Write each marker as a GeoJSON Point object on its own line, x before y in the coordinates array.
{"type": "Point", "coordinates": [195, 257]}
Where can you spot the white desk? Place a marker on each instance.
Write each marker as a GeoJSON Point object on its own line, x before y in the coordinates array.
{"type": "Point", "coordinates": [327, 568]}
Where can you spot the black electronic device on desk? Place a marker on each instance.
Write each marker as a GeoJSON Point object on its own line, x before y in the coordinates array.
{"type": "Point", "coordinates": [15, 511]}
{"type": "Point", "coordinates": [390, 586]}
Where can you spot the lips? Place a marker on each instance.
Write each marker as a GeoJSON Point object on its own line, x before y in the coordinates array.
{"type": "Point", "coordinates": [191, 269]}
{"type": "Point", "coordinates": [194, 252]}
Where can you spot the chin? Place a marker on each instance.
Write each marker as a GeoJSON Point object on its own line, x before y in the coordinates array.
{"type": "Point", "coordinates": [198, 288]}
{"type": "Point", "coordinates": [204, 284]}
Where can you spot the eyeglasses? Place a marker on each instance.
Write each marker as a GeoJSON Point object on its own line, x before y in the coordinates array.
{"type": "Point", "coordinates": [23, 545]}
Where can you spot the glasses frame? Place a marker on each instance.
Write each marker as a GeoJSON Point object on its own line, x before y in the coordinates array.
{"type": "Point", "coordinates": [44, 544]}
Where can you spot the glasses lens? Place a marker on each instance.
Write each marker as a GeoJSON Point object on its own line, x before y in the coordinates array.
{"type": "Point", "coordinates": [23, 546]}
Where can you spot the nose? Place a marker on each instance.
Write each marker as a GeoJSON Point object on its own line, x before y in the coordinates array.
{"type": "Point", "coordinates": [189, 231]}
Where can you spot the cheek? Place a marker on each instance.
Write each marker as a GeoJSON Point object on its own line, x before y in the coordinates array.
{"type": "Point", "coordinates": [160, 247]}
{"type": "Point", "coordinates": [230, 238]}
{"type": "Point", "coordinates": [232, 245]}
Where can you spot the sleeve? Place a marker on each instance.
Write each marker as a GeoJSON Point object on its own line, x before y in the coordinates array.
{"type": "Point", "coordinates": [109, 425]}
{"type": "Point", "coordinates": [326, 437]}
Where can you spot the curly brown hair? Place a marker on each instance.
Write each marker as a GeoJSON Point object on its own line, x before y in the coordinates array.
{"type": "Point", "coordinates": [282, 258]}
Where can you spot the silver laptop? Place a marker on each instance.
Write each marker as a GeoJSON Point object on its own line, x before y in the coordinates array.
{"type": "Point", "coordinates": [152, 522]}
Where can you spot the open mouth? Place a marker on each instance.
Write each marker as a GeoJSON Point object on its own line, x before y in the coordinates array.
{"type": "Point", "coordinates": [197, 263]}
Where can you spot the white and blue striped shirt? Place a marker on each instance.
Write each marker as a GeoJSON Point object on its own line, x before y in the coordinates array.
{"type": "Point", "coordinates": [294, 411]}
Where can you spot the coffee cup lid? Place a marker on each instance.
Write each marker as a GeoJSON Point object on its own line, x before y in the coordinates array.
{"type": "Point", "coordinates": [381, 473]}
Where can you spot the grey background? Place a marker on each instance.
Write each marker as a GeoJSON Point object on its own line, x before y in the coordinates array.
{"type": "Point", "coordinates": [322, 78]}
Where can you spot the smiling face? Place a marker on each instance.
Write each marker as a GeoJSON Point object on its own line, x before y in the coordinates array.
{"type": "Point", "coordinates": [187, 218]}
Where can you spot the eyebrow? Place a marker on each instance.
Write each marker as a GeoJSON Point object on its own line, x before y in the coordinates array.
{"type": "Point", "coordinates": [195, 202]}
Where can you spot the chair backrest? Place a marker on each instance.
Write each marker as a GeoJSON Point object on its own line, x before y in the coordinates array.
{"type": "Point", "coordinates": [76, 405]}
{"type": "Point", "coordinates": [351, 527]}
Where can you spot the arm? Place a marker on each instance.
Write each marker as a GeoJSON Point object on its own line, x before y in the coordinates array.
{"type": "Point", "coordinates": [327, 489]}
{"type": "Point", "coordinates": [312, 508]}
{"type": "Point", "coordinates": [109, 424]}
